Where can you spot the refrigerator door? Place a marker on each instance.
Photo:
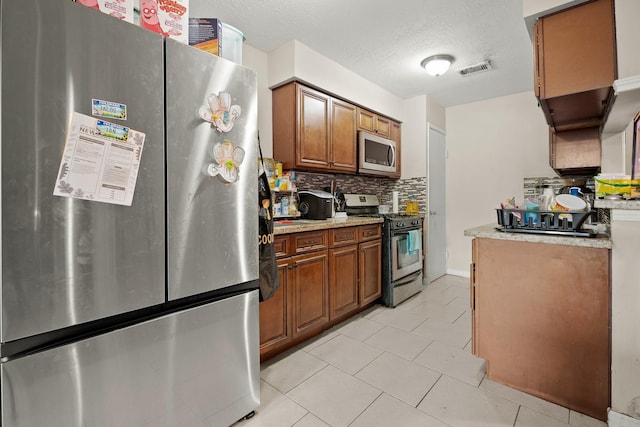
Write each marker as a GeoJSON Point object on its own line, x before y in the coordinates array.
{"type": "Point", "coordinates": [197, 368]}
{"type": "Point", "coordinates": [67, 261]}
{"type": "Point", "coordinates": [212, 221]}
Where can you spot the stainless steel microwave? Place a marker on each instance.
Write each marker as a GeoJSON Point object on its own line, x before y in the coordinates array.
{"type": "Point", "coordinates": [377, 155]}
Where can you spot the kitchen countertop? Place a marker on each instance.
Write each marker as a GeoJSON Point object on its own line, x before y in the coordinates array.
{"type": "Point", "coordinates": [490, 231]}
{"type": "Point", "coordinates": [617, 204]}
{"type": "Point", "coordinates": [301, 225]}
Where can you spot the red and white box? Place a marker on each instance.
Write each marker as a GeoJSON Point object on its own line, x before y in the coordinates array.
{"type": "Point", "coordinates": [121, 9]}
{"type": "Point", "coordinates": [167, 17]}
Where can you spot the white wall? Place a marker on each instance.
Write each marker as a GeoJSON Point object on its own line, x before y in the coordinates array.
{"type": "Point", "coordinates": [625, 320]}
{"type": "Point", "coordinates": [544, 7]}
{"type": "Point", "coordinates": [492, 145]}
{"type": "Point", "coordinates": [258, 61]}
{"type": "Point", "coordinates": [436, 114]}
{"type": "Point", "coordinates": [295, 60]}
{"type": "Point", "coordinates": [414, 137]}
{"type": "Point", "coordinates": [627, 35]}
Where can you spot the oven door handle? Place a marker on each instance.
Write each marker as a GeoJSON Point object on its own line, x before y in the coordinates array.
{"type": "Point", "coordinates": [404, 233]}
{"type": "Point", "coordinates": [408, 279]}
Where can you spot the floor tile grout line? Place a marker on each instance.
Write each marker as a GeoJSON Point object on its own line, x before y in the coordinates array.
{"type": "Point", "coordinates": [429, 391]}
{"type": "Point", "coordinates": [520, 404]}
{"type": "Point", "coordinates": [515, 421]}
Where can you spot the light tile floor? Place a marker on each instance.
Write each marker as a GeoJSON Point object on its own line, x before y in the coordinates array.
{"type": "Point", "coordinates": [408, 366]}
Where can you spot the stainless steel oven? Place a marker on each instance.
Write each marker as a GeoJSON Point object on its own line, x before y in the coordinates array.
{"type": "Point", "coordinates": [404, 260]}
{"type": "Point", "coordinates": [401, 258]}
{"type": "Point", "coordinates": [401, 248]}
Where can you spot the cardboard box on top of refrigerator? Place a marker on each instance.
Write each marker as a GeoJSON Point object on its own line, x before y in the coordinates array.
{"type": "Point", "coordinates": [167, 17]}
{"type": "Point", "coordinates": [121, 9]}
{"type": "Point", "coordinates": [206, 34]}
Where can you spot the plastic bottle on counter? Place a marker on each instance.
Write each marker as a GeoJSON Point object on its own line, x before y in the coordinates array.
{"type": "Point", "coordinates": [284, 206]}
{"type": "Point", "coordinates": [293, 209]}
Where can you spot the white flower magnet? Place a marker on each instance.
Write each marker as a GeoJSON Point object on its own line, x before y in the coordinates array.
{"type": "Point", "coordinates": [228, 158]}
{"type": "Point", "coordinates": [220, 112]}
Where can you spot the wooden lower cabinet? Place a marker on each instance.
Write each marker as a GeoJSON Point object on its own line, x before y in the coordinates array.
{"type": "Point", "coordinates": [541, 319]}
{"type": "Point", "coordinates": [325, 277]}
{"type": "Point", "coordinates": [370, 271]}
{"type": "Point", "coordinates": [275, 327]}
{"type": "Point", "coordinates": [343, 280]}
{"type": "Point", "coordinates": [310, 292]}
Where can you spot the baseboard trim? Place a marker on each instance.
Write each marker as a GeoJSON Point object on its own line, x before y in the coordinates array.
{"type": "Point", "coordinates": [462, 273]}
{"type": "Point", "coordinates": [616, 419]}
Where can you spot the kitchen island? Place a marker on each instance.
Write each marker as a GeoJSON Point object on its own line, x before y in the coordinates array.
{"type": "Point", "coordinates": [541, 315]}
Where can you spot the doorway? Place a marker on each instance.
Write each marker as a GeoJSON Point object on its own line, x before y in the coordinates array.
{"type": "Point", "coordinates": [436, 218]}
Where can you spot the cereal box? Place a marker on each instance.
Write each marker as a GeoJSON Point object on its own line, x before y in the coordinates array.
{"type": "Point", "coordinates": [167, 17]}
{"type": "Point", "coordinates": [206, 34]}
{"type": "Point", "coordinates": [121, 9]}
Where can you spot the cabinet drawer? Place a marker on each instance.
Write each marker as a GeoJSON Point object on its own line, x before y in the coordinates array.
{"type": "Point", "coordinates": [370, 232]}
{"type": "Point", "coordinates": [282, 246]}
{"type": "Point", "coordinates": [343, 236]}
{"type": "Point", "coordinates": [309, 241]}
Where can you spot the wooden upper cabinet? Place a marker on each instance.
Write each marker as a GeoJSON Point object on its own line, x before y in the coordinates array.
{"type": "Point", "coordinates": [575, 64]}
{"type": "Point", "coordinates": [312, 130]}
{"type": "Point", "coordinates": [371, 122]}
{"type": "Point", "coordinates": [576, 151]}
{"type": "Point", "coordinates": [312, 142]}
{"type": "Point", "coordinates": [342, 146]}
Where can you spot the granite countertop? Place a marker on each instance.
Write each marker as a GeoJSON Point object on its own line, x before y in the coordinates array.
{"type": "Point", "coordinates": [301, 225]}
{"type": "Point", "coordinates": [490, 231]}
{"type": "Point", "coordinates": [617, 204]}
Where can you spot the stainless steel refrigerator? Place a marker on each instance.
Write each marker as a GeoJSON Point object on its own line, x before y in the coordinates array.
{"type": "Point", "coordinates": [125, 315]}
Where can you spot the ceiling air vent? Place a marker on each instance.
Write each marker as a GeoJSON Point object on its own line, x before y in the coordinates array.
{"type": "Point", "coordinates": [475, 69]}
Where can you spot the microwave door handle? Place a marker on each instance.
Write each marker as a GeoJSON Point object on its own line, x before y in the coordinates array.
{"type": "Point", "coordinates": [391, 155]}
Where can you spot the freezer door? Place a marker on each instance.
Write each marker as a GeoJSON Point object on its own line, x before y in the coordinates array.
{"type": "Point", "coordinates": [212, 221]}
{"type": "Point", "coordinates": [196, 368]}
{"type": "Point", "coordinates": [67, 261]}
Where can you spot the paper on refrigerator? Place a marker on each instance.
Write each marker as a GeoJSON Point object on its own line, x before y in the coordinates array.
{"type": "Point", "coordinates": [100, 161]}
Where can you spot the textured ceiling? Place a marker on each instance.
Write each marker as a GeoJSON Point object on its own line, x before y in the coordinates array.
{"type": "Point", "coordinates": [384, 41]}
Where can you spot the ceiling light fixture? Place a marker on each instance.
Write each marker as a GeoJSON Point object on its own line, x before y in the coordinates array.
{"type": "Point", "coordinates": [437, 64]}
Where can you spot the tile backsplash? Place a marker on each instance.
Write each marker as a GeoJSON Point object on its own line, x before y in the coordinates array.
{"type": "Point", "coordinates": [356, 184]}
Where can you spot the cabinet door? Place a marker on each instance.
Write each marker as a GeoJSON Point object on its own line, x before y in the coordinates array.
{"type": "Point", "coordinates": [383, 126]}
{"type": "Point", "coordinates": [366, 120]}
{"type": "Point", "coordinates": [310, 282]}
{"type": "Point", "coordinates": [370, 271]}
{"type": "Point", "coordinates": [275, 323]}
{"type": "Point", "coordinates": [343, 281]}
{"type": "Point", "coordinates": [578, 151]}
{"type": "Point", "coordinates": [312, 143]}
{"type": "Point", "coordinates": [343, 136]}
{"type": "Point", "coordinates": [371, 122]}
{"type": "Point", "coordinates": [576, 49]}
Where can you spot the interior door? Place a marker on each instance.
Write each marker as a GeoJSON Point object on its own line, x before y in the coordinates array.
{"type": "Point", "coordinates": [436, 227]}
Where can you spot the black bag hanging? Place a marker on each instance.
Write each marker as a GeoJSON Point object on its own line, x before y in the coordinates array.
{"type": "Point", "coordinates": [268, 267]}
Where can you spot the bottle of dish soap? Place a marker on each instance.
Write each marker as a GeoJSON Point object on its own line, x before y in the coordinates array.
{"type": "Point", "coordinates": [412, 206]}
